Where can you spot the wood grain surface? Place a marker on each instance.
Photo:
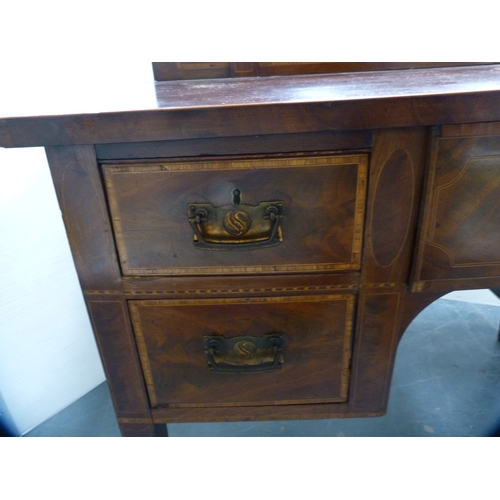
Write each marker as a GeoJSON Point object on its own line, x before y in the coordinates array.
{"type": "Point", "coordinates": [323, 210]}
{"type": "Point", "coordinates": [316, 354]}
{"type": "Point", "coordinates": [460, 238]}
{"type": "Point", "coordinates": [286, 104]}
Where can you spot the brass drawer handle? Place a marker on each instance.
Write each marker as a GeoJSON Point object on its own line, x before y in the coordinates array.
{"type": "Point", "coordinates": [244, 354]}
{"type": "Point", "coordinates": [236, 226]}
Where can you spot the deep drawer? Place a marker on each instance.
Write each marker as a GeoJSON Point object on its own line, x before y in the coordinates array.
{"type": "Point", "coordinates": [292, 214]}
{"type": "Point", "coordinates": [253, 351]}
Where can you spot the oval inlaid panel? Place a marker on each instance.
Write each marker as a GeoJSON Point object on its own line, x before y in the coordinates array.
{"type": "Point", "coordinates": [389, 228]}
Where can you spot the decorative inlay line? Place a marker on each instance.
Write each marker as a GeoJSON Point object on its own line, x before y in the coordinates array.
{"type": "Point", "coordinates": [246, 300]}
{"type": "Point", "coordinates": [453, 283]}
{"type": "Point", "coordinates": [171, 271]}
{"type": "Point", "coordinates": [360, 161]}
{"type": "Point", "coordinates": [134, 307]}
{"type": "Point", "coordinates": [239, 164]}
{"type": "Point", "coordinates": [231, 290]}
{"type": "Point", "coordinates": [143, 353]}
{"type": "Point", "coordinates": [398, 162]}
{"type": "Point", "coordinates": [382, 285]}
{"type": "Point", "coordinates": [433, 222]}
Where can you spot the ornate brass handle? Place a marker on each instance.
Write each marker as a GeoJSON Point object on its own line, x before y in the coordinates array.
{"type": "Point", "coordinates": [244, 354]}
{"type": "Point", "coordinates": [236, 226]}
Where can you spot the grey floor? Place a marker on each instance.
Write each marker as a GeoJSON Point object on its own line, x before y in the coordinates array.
{"type": "Point", "coordinates": [446, 383]}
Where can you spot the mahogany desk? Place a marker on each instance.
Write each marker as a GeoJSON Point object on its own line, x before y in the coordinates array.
{"type": "Point", "coordinates": [254, 248]}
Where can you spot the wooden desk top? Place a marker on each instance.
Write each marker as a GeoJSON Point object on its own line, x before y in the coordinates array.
{"type": "Point", "coordinates": [253, 106]}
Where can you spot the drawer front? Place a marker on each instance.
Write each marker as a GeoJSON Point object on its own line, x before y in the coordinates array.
{"type": "Point", "coordinates": [253, 351]}
{"type": "Point", "coordinates": [296, 214]}
{"type": "Point", "coordinates": [460, 237]}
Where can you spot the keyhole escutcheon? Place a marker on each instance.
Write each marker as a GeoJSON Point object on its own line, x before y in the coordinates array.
{"type": "Point", "coordinates": [236, 197]}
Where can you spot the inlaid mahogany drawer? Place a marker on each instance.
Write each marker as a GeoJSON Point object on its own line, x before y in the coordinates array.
{"type": "Point", "coordinates": [237, 216]}
{"type": "Point", "coordinates": [460, 230]}
{"type": "Point", "coordinates": [247, 352]}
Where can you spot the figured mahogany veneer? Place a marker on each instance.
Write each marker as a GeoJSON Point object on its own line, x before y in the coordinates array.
{"type": "Point", "coordinates": [319, 226]}
{"type": "Point", "coordinates": [459, 238]}
{"type": "Point", "coordinates": [313, 365]}
{"type": "Point", "coordinates": [254, 248]}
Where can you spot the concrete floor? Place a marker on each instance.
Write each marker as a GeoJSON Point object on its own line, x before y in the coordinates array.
{"type": "Point", "coordinates": [446, 383]}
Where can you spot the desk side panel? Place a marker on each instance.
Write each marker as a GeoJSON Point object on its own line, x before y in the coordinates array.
{"type": "Point", "coordinates": [81, 199]}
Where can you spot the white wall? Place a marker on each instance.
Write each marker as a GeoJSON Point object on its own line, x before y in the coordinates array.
{"type": "Point", "coordinates": [48, 356]}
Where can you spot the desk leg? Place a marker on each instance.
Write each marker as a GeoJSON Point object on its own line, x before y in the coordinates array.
{"type": "Point", "coordinates": [118, 351]}
{"type": "Point", "coordinates": [383, 316]}
{"type": "Point", "coordinates": [129, 429]}
{"type": "Point", "coordinates": [77, 180]}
